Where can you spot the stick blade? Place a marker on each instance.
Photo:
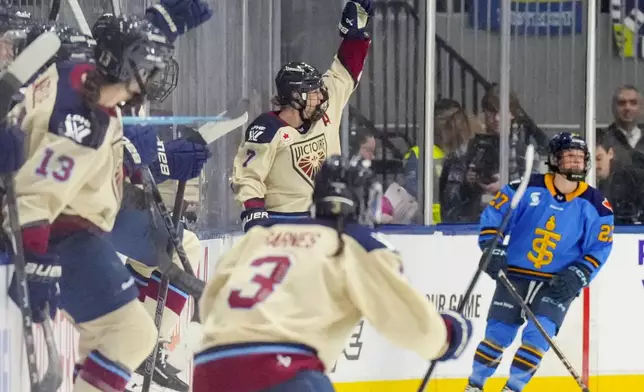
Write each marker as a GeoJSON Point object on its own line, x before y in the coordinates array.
{"type": "Point", "coordinates": [214, 130]}
{"type": "Point", "coordinates": [525, 180]}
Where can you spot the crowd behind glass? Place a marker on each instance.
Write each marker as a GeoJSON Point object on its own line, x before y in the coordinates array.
{"type": "Point", "coordinates": [466, 160]}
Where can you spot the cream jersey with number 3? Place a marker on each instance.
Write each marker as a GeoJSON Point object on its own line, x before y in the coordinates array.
{"type": "Point", "coordinates": [74, 154]}
{"type": "Point", "coordinates": [277, 163]}
{"type": "Point", "coordinates": [280, 283]}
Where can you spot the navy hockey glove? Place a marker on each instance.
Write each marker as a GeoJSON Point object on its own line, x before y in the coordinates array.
{"type": "Point", "coordinates": [43, 273]}
{"type": "Point", "coordinates": [459, 333]}
{"type": "Point", "coordinates": [140, 142]}
{"type": "Point", "coordinates": [11, 149]}
{"type": "Point", "coordinates": [355, 17]}
{"type": "Point", "coordinates": [498, 261]}
{"type": "Point", "coordinates": [567, 283]}
{"type": "Point", "coordinates": [176, 17]}
{"type": "Point", "coordinates": [181, 160]}
{"type": "Point", "coordinates": [252, 217]}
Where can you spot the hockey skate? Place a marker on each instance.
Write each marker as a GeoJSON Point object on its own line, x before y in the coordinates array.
{"type": "Point", "coordinates": [472, 388]}
{"type": "Point", "coordinates": [164, 377]}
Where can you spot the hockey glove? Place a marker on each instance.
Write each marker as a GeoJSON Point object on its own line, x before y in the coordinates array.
{"type": "Point", "coordinates": [498, 261]}
{"type": "Point", "coordinates": [459, 333]}
{"type": "Point", "coordinates": [140, 142]}
{"type": "Point", "coordinates": [252, 217]}
{"type": "Point", "coordinates": [567, 284]}
{"type": "Point", "coordinates": [43, 273]}
{"type": "Point", "coordinates": [182, 160]}
{"type": "Point", "coordinates": [176, 17]}
{"type": "Point", "coordinates": [355, 17]}
{"type": "Point", "coordinates": [11, 149]}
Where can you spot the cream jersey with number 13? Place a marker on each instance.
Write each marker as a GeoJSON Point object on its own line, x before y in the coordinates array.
{"type": "Point", "coordinates": [74, 154]}
{"type": "Point", "coordinates": [281, 283]}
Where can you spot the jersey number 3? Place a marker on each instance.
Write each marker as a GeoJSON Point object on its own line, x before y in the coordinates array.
{"type": "Point", "coordinates": [279, 268]}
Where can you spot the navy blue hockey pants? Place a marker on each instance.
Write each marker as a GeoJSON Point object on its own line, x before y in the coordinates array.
{"type": "Point", "coordinates": [305, 381]}
{"type": "Point", "coordinates": [505, 317]}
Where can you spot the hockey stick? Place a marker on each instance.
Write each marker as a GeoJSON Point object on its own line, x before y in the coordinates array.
{"type": "Point", "coordinates": [162, 295]}
{"type": "Point", "coordinates": [215, 128]}
{"type": "Point", "coordinates": [54, 10]}
{"type": "Point", "coordinates": [518, 194]}
{"type": "Point", "coordinates": [21, 70]}
{"type": "Point", "coordinates": [503, 278]}
{"type": "Point", "coordinates": [185, 278]}
{"type": "Point", "coordinates": [53, 377]}
{"type": "Point", "coordinates": [24, 67]}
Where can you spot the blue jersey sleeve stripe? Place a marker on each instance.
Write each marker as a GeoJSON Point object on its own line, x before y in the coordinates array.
{"type": "Point", "coordinates": [593, 261]}
{"type": "Point", "coordinates": [528, 273]}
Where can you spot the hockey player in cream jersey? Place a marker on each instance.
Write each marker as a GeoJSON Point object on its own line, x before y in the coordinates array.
{"type": "Point", "coordinates": [275, 166]}
{"type": "Point", "coordinates": [69, 192]}
{"type": "Point", "coordinates": [284, 300]}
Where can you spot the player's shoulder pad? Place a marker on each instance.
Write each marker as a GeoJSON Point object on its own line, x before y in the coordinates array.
{"type": "Point", "coordinates": [368, 238]}
{"type": "Point", "coordinates": [71, 116]}
{"type": "Point", "coordinates": [263, 129]}
{"type": "Point", "coordinates": [597, 200]}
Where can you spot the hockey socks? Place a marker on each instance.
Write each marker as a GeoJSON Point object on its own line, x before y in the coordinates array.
{"type": "Point", "coordinates": [487, 357]}
{"type": "Point", "coordinates": [98, 373]}
{"type": "Point", "coordinates": [525, 363]}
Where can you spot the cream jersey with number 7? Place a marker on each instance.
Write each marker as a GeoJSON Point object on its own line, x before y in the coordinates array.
{"type": "Point", "coordinates": [276, 163]}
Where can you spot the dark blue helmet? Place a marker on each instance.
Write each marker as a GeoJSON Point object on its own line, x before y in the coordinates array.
{"type": "Point", "coordinates": [294, 81]}
{"type": "Point", "coordinates": [129, 48]}
{"type": "Point", "coordinates": [349, 189]}
{"type": "Point", "coordinates": [563, 142]}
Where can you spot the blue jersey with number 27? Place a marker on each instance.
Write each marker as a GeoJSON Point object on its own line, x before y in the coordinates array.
{"type": "Point", "coordinates": [548, 230]}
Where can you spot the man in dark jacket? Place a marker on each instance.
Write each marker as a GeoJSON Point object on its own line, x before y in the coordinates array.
{"type": "Point", "coordinates": [625, 134]}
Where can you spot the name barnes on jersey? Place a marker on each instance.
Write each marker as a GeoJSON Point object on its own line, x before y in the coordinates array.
{"type": "Point", "coordinates": [272, 152]}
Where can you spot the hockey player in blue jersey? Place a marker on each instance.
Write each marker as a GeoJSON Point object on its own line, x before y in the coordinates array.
{"type": "Point", "coordinates": [560, 236]}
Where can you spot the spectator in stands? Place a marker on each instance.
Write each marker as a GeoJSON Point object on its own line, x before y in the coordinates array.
{"type": "Point", "coordinates": [454, 129]}
{"type": "Point", "coordinates": [625, 134]}
{"type": "Point", "coordinates": [474, 179]}
{"type": "Point", "coordinates": [619, 184]}
{"type": "Point", "coordinates": [362, 142]}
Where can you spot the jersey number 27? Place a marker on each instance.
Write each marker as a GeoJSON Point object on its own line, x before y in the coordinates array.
{"type": "Point", "coordinates": [266, 284]}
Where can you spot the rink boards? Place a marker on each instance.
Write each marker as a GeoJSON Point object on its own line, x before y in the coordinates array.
{"type": "Point", "coordinates": [440, 264]}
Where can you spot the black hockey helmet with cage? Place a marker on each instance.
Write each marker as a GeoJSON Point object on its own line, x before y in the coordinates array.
{"type": "Point", "coordinates": [294, 81]}
{"type": "Point", "coordinates": [128, 48]}
{"type": "Point", "coordinates": [163, 82]}
{"type": "Point", "coordinates": [349, 189]}
{"type": "Point", "coordinates": [565, 141]}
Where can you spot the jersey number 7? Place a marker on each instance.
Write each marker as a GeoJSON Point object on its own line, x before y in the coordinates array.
{"type": "Point", "coordinates": [279, 268]}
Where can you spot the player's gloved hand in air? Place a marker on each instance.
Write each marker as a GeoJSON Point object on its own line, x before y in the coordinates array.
{"type": "Point", "coordinates": [498, 260]}
{"type": "Point", "coordinates": [567, 283]}
{"type": "Point", "coordinates": [459, 333]}
{"type": "Point", "coordinates": [11, 149]}
{"type": "Point", "coordinates": [43, 273]}
{"type": "Point", "coordinates": [140, 142]}
{"type": "Point", "coordinates": [183, 160]}
{"type": "Point", "coordinates": [176, 17]}
{"type": "Point", "coordinates": [253, 215]}
{"type": "Point", "coordinates": [355, 17]}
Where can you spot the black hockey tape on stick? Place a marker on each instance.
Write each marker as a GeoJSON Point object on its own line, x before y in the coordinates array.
{"type": "Point", "coordinates": [518, 194]}
{"type": "Point", "coordinates": [187, 276]}
{"type": "Point", "coordinates": [24, 67]}
{"type": "Point", "coordinates": [162, 294]}
{"type": "Point", "coordinates": [503, 278]}
{"type": "Point", "coordinates": [53, 378]}
{"type": "Point", "coordinates": [54, 10]}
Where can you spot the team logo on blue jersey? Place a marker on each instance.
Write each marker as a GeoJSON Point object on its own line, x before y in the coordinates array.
{"type": "Point", "coordinates": [627, 18]}
{"type": "Point", "coordinates": [544, 243]}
